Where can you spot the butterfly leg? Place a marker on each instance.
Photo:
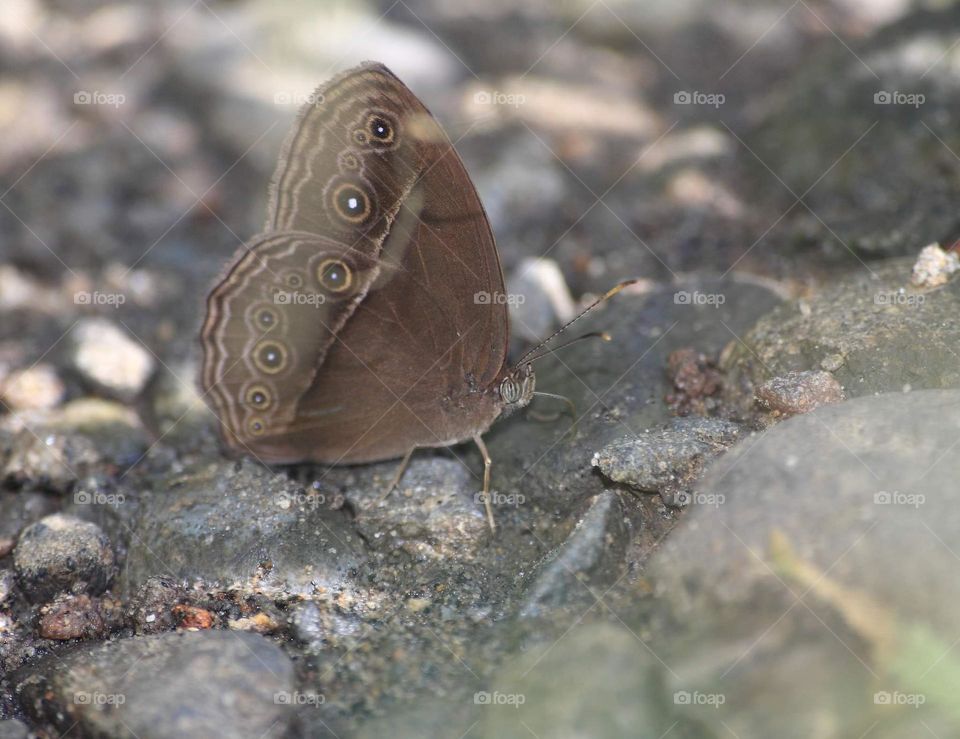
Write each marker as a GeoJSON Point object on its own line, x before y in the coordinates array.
{"type": "Point", "coordinates": [487, 464]}
{"type": "Point", "coordinates": [396, 479]}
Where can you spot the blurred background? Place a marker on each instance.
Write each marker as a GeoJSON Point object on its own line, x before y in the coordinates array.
{"type": "Point", "coordinates": [618, 138]}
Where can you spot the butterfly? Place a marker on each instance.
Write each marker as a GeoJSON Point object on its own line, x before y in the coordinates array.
{"type": "Point", "coordinates": [367, 320]}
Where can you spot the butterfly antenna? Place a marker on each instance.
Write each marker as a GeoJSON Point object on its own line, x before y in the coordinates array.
{"type": "Point", "coordinates": [606, 296]}
{"type": "Point", "coordinates": [592, 335]}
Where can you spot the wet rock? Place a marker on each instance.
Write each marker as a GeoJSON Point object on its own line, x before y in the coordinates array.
{"type": "Point", "coordinates": [78, 617]}
{"type": "Point", "coordinates": [61, 554]}
{"type": "Point", "coordinates": [586, 562]}
{"type": "Point", "coordinates": [436, 508]}
{"type": "Point", "coordinates": [545, 691]}
{"type": "Point", "coordinates": [666, 461]}
{"type": "Point", "coordinates": [799, 392]}
{"type": "Point", "coordinates": [54, 448]}
{"type": "Point", "coordinates": [210, 683]}
{"type": "Point", "coordinates": [241, 526]}
{"type": "Point", "coordinates": [877, 334]}
{"type": "Point", "coordinates": [52, 461]}
{"type": "Point", "coordinates": [37, 387]}
{"type": "Point", "coordinates": [109, 360]}
{"type": "Point", "coordinates": [816, 547]}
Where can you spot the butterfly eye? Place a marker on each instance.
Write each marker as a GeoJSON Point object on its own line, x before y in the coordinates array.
{"type": "Point", "coordinates": [351, 203]}
{"type": "Point", "coordinates": [266, 319]}
{"type": "Point", "coordinates": [258, 397]}
{"type": "Point", "coordinates": [334, 275]}
{"type": "Point", "coordinates": [380, 128]}
{"type": "Point", "coordinates": [294, 280]}
{"type": "Point", "coordinates": [256, 427]}
{"type": "Point", "coordinates": [270, 357]}
{"type": "Point", "coordinates": [360, 137]}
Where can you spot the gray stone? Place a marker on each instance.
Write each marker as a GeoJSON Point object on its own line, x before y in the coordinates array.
{"type": "Point", "coordinates": [667, 460]}
{"type": "Point", "coordinates": [54, 448]}
{"type": "Point", "coordinates": [878, 335]}
{"type": "Point", "coordinates": [239, 525]}
{"type": "Point", "coordinates": [587, 562]}
{"type": "Point", "coordinates": [209, 683]}
{"type": "Point", "coordinates": [832, 555]}
{"type": "Point", "coordinates": [62, 554]}
{"type": "Point", "coordinates": [598, 681]}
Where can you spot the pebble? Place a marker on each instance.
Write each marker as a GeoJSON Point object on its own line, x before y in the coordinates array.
{"type": "Point", "coordinates": [934, 266]}
{"type": "Point", "coordinates": [60, 554]}
{"type": "Point", "coordinates": [206, 683]}
{"type": "Point", "coordinates": [109, 360]}
{"type": "Point", "coordinates": [665, 460]}
{"type": "Point", "coordinates": [799, 392]}
{"type": "Point", "coordinates": [538, 298]}
{"type": "Point", "coordinates": [78, 617]}
{"type": "Point", "coordinates": [192, 617]}
{"type": "Point", "coordinates": [35, 388]}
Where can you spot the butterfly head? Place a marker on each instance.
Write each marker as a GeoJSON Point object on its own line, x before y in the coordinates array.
{"type": "Point", "coordinates": [516, 389]}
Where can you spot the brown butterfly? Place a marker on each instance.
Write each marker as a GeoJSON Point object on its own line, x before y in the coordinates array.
{"type": "Point", "coordinates": [365, 321]}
